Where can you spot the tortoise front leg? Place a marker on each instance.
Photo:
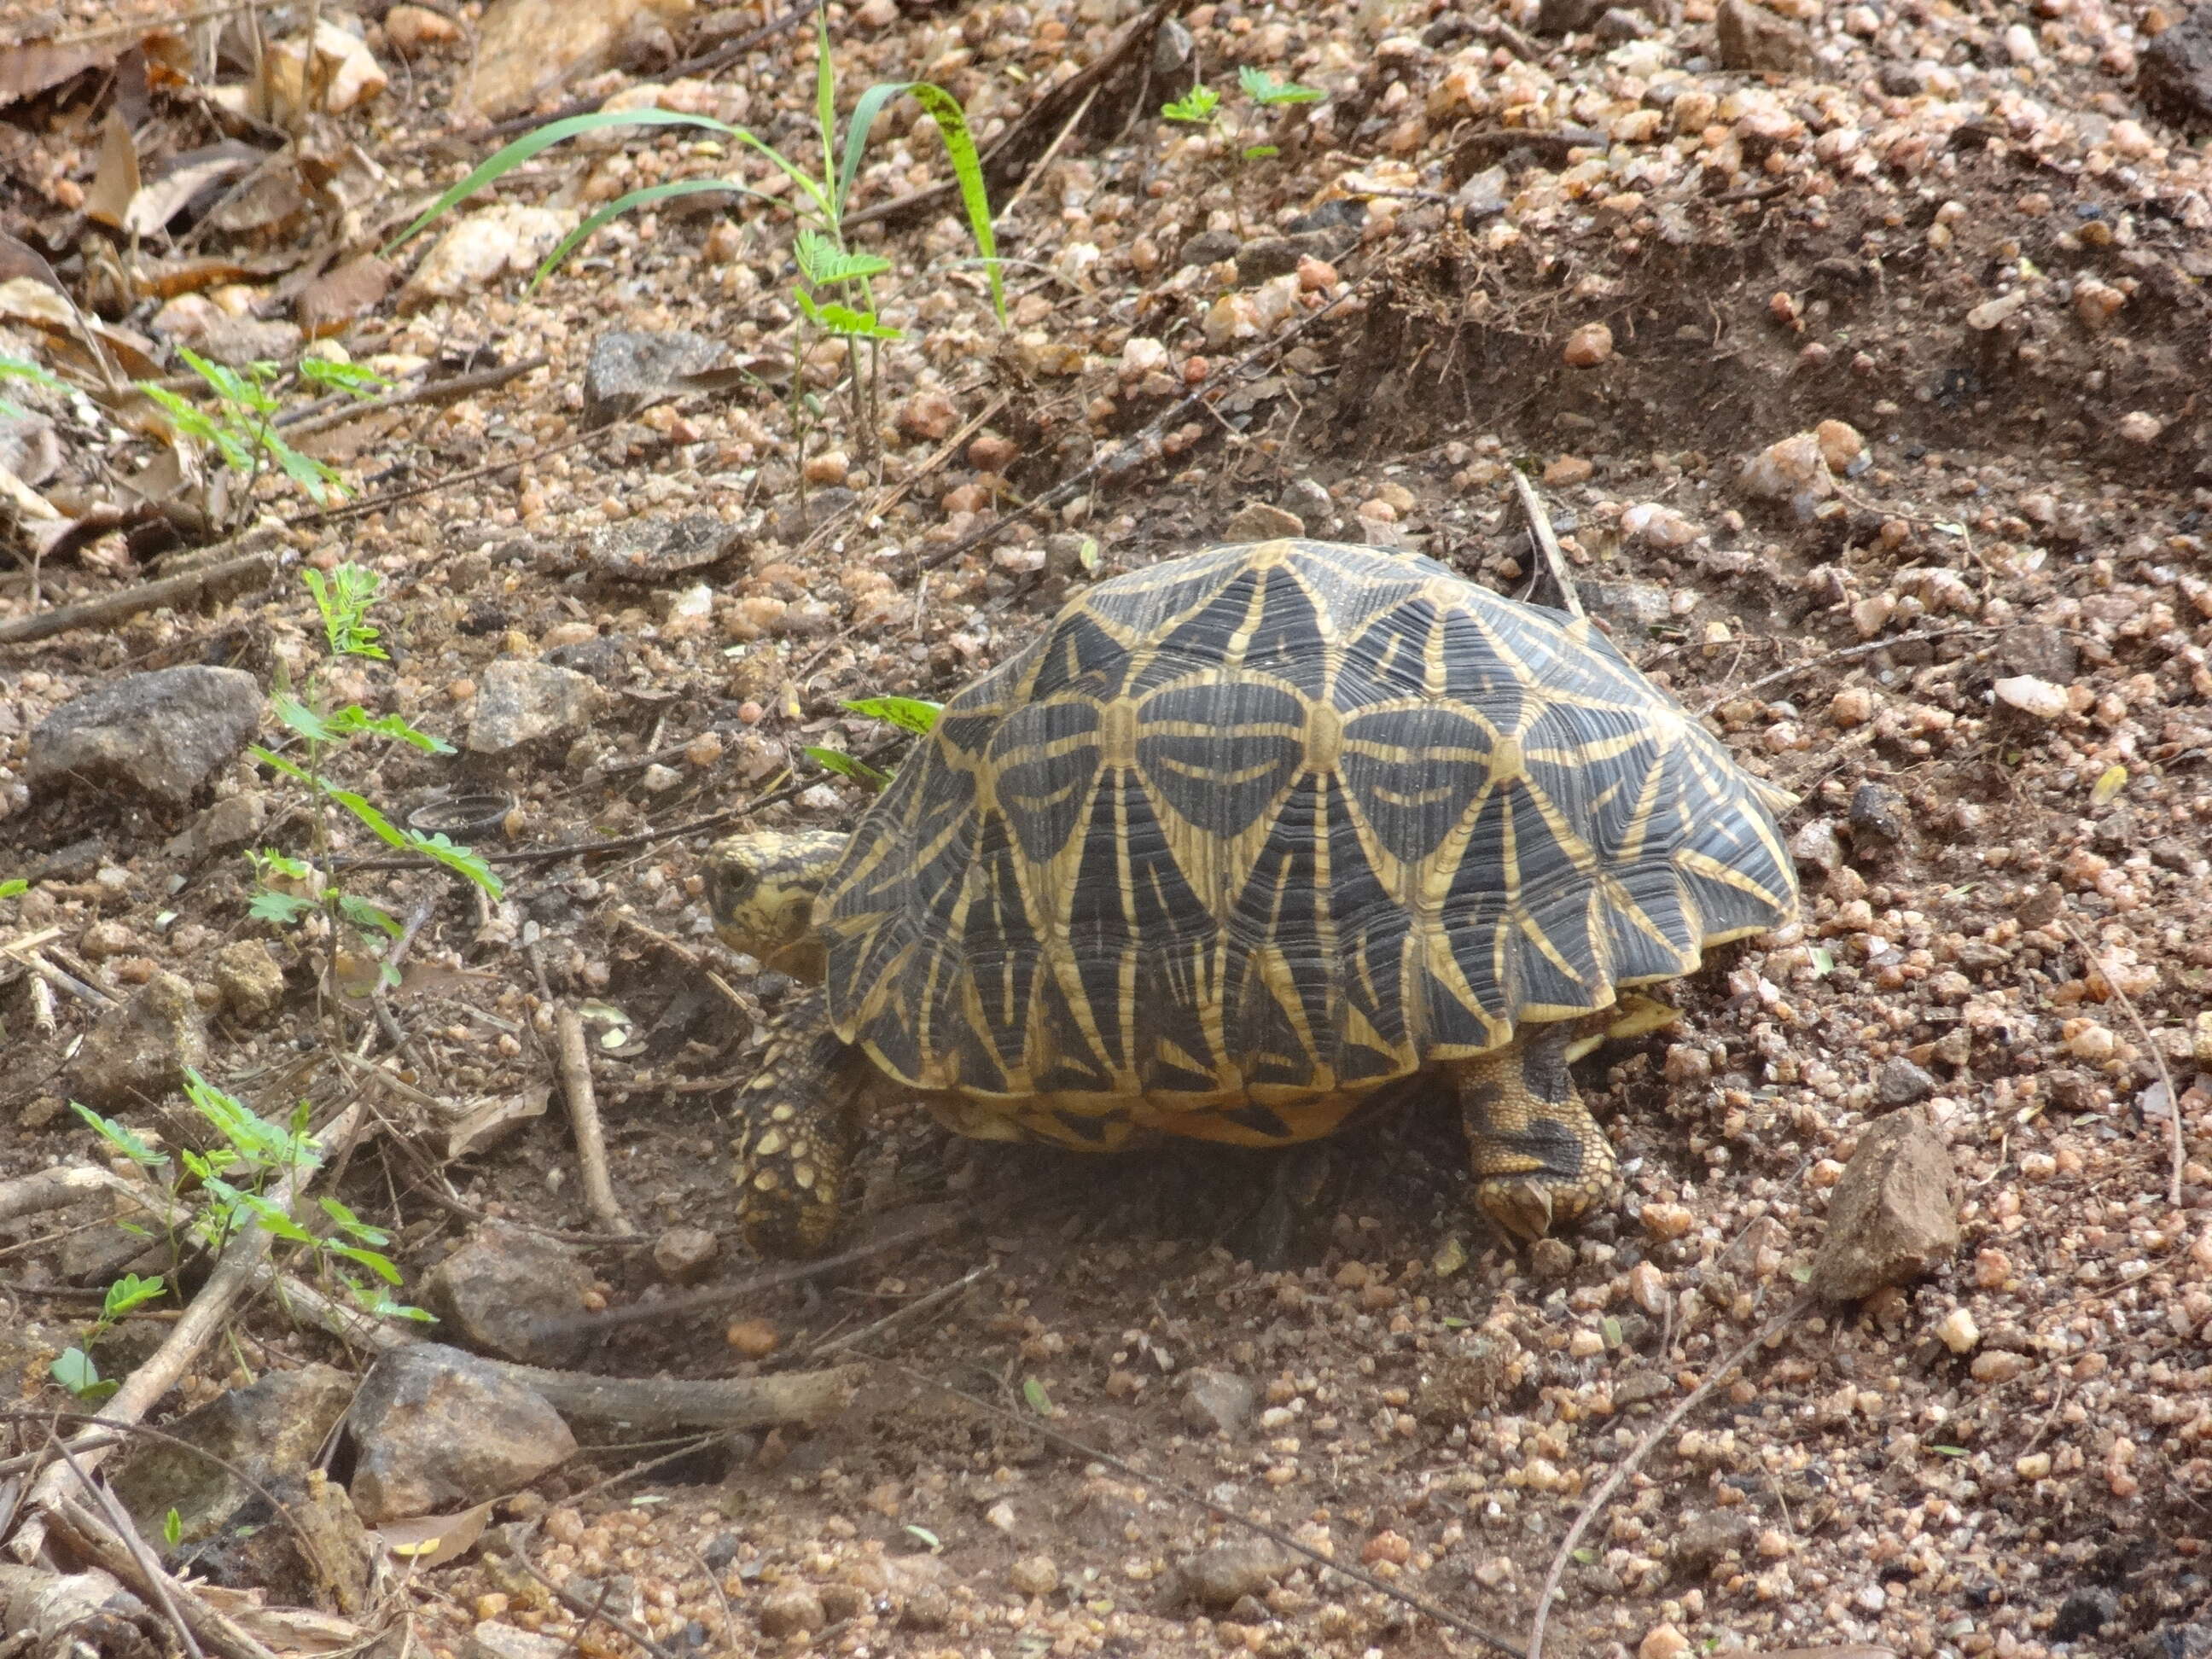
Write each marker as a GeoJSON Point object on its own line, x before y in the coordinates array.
{"type": "Point", "coordinates": [799, 1124]}
{"type": "Point", "coordinates": [1539, 1158]}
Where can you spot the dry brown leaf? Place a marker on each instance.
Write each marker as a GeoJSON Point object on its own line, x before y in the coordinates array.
{"type": "Point", "coordinates": [116, 185]}
{"type": "Point", "coordinates": [428, 1539]}
{"type": "Point", "coordinates": [491, 1121]}
{"type": "Point", "coordinates": [31, 67]}
{"type": "Point", "coordinates": [334, 298]}
{"type": "Point", "coordinates": [186, 177]}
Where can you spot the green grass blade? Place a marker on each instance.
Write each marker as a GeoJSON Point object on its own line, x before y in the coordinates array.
{"type": "Point", "coordinates": [968, 167]}
{"type": "Point", "coordinates": [622, 204]}
{"type": "Point", "coordinates": [825, 105]}
{"type": "Point", "coordinates": [504, 161]}
{"type": "Point", "coordinates": [872, 104]}
{"type": "Point", "coordinates": [804, 180]}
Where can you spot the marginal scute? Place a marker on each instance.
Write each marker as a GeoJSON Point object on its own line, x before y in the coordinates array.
{"type": "Point", "coordinates": [1247, 836]}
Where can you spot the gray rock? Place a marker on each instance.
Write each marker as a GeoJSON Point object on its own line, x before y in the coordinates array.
{"type": "Point", "coordinates": [495, 1638]}
{"type": "Point", "coordinates": [2088, 1610]}
{"type": "Point", "coordinates": [1894, 1215]}
{"type": "Point", "coordinates": [1617, 24]}
{"type": "Point", "coordinates": [1704, 1541]}
{"type": "Point", "coordinates": [684, 1254]}
{"type": "Point", "coordinates": [271, 1428]}
{"type": "Point", "coordinates": [628, 372]}
{"type": "Point", "coordinates": [239, 341]}
{"type": "Point", "coordinates": [1310, 500]}
{"type": "Point", "coordinates": [138, 1051]}
{"type": "Point", "coordinates": [493, 1293]}
{"type": "Point", "coordinates": [660, 550]}
{"type": "Point", "coordinates": [2039, 649]}
{"type": "Point", "coordinates": [1900, 1083]}
{"type": "Point", "coordinates": [1816, 846]}
{"type": "Point", "coordinates": [1256, 522]}
{"type": "Point", "coordinates": [1209, 247]}
{"type": "Point", "coordinates": [2175, 74]}
{"type": "Point", "coordinates": [1568, 17]}
{"type": "Point", "coordinates": [439, 1430]}
{"type": "Point", "coordinates": [519, 702]}
{"type": "Point", "coordinates": [251, 980]}
{"type": "Point", "coordinates": [1218, 1402]}
{"type": "Point", "coordinates": [1640, 606]}
{"type": "Point", "coordinates": [1878, 813]}
{"type": "Point", "coordinates": [228, 825]}
{"type": "Point", "coordinates": [1751, 37]}
{"type": "Point", "coordinates": [160, 734]}
{"type": "Point", "coordinates": [1223, 1575]}
{"type": "Point", "coordinates": [1265, 257]}
{"type": "Point", "coordinates": [791, 1610]}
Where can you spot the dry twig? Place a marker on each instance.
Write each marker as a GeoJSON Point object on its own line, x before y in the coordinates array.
{"type": "Point", "coordinates": [2179, 1150]}
{"type": "Point", "coordinates": [223, 579]}
{"type": "Point", "coordinates": [1548, 542]}
{"type": "Point", "coordinates": [584, 1117]}
{"type": "Point", "coordinates": [1627, 1466]}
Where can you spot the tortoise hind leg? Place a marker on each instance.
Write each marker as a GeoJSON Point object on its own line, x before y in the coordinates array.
{"type": "Point", "coordinates": [1539, 1158]}
{"type": "Point", "coordinates": [798, 1124]}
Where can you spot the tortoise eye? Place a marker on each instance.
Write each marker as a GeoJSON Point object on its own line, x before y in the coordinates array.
{"type": "Point", "coordinates": [738, 882]}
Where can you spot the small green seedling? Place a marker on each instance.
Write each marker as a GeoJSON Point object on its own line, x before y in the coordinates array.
{"type": "Point", "coordinates": [1201, 107]}
{"type": "Point", "coordinates": [248, 1154]}
{"type": "Point", "coordinates": [834, 293]}
{"type": "Point", "coordinates": [74, 1368]}
{"type": "Point", "coordinates": [242, 430]}
{"type": "Point", "coordinates": [907, 714]}
{"type": "Point", "coordinates": [290, 889]}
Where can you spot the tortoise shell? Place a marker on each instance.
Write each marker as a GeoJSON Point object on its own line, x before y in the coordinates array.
{"type": "Point", "coordinates": [1247, 834]}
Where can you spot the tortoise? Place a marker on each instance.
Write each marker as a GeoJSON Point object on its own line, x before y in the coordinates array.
{"type": "Point", "coordinates": [1245, 838]}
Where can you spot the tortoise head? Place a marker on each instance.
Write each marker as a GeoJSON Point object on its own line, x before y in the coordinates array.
{"type": "Point", "coordinates": [761, 888]}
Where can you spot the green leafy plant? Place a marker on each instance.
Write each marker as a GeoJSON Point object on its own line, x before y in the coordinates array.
{"type": "Point", "coordinates": [74, 1368]}
{"type": "Point", "coordinates": [291, 888]}
{"type": "Point", "coordinates": [907, 714]}
{"type": "Point", "coordinates": [833, 292]}
{"type": "Point", "coordinates": [231, 1178]}
{"type": "Point", "coordinates": [14, 885]}
{"type": "Point", "coordinates": [241, 428]}
{"type": "Point", "coordinates": [20, 368]}
{"type": "Point", "coordinates": [1202, 106]}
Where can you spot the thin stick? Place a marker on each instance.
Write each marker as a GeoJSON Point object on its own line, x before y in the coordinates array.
{"type": "Point", "coordinates": [2180, 1152]}
{"type": "Point", "coordinates": [584, 1117]}
{"type": "Point", "coordinates": [1045, 160]}
{"type": "Point", "coordinates": [91, 1536]}
{"type": "Point", "coordinates": [156, 1580]}
{"type": "Point", "coordinates": [1421, 1605]}
{"type": "Point", "coordinates": [1627, 1466]}
{"type": "Point", "coordinates": [231, 575]}
{"type": "Point", "coordinates": [53, 1189]}
{"type": "Point", "coordinates": [450, 390]}
{"type": "Point", "coordinates": [947, 1219]}
{"type": "Point", "coordinates": [900, 1318]}
{"type": "Point", "coordinates": [1548, 542]}
{"type": "Point", "coordinates": [1845, 655]}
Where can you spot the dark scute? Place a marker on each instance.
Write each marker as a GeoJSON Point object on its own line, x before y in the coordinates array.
{"type": "Point", "coordinates": [1045, 794]}
{"type": "Point", "coordinates": [1374, 962]}
{"type": "Point", "coordinates": [1004, 980]}
{"type": "Point", "coordinates": [1358, 1063]}
{"type": "Point", "coordinates": [1284, 901]}
{"type": "Point", "coordinates": [1261, 1035]}
{"type": "Point", "coordinates": [1202, 775]}
{"type": "Point", "coordinates": [1564, 922]}
{"type": "Point", "coordinates": [1083, 1126]}
{"type": "Point", "coordinates": [1070, 1066]}
{"type": "Point", "coordinates": [1081, 656]}
{"type": "Point", "coordinates": [1412, 803]}
{"type": "Point", "coordinates": [1260, 1120]}
{"type": "Point", "coordinates": [975, 1064]}
{"type": "Point", "coordinates": [1289, 641]}
{"type": "Point", "coordinates": [1203, 639]}
{"type": "Point", "coordinates": [1173, 990]}
{"type": "Point", "coordinates": [1656, 892]}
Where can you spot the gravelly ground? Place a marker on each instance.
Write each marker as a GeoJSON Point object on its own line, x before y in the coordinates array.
{"type": "Point", "coordinates": [1978, 651]}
